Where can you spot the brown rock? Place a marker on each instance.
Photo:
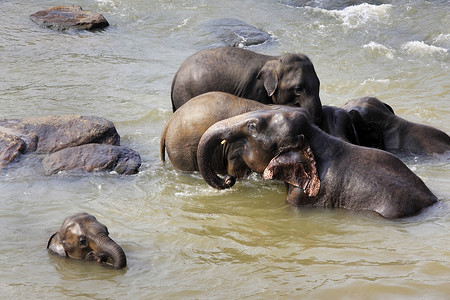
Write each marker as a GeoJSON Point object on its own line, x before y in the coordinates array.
{"type": "Point", "coordinates": [69, 17]}
{"type": "Point", "coordinates": [86, 143]}
{"type": "Point", "coordinates": [93, 157]}
{"type": "Point", "coordinates": [52, 133]}
{"type": "Point", "coordinates": [11, 147]}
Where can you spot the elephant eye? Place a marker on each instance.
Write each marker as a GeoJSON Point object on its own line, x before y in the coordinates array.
{"type": "Point", "coordinates": [298, 90]}
{"type": "Point", "coordinates": [83, 242]}
{"type": "Point", "coordinates": [252, 127]}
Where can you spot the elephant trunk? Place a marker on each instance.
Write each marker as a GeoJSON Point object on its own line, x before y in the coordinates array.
{"type": "Point", "coordinates": [107, 248]}
{"type": "Point", "coordinates": [219, 133]}
{"type": "Point", "coordinates": [316, 110]}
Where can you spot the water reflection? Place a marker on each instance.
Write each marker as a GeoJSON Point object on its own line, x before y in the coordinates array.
{"type": "Point", "coordinates": [81, 270]}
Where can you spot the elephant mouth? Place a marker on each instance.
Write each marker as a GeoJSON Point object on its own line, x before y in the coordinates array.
{"type": "Point", "coordinates": [100, 258]}
{"type": "Point", "coordinates": [295, 167]}
{"type": "Point", "coordinates": [91, 256]}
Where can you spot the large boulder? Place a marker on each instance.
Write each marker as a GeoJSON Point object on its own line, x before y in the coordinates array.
{"type": "Point", "coordinates": [69, 17]}
{"type": "Point", "coordinates": [86, 143]}
{"type": "Point", "coordinates": [53, 133]}
{"type": "Point", "coordinates": [93, 157]}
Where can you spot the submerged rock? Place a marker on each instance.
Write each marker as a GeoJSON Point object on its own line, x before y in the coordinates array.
{"type": "Point", "coordinates": [236, 33]}
{"type": "Point", "coordinates": [93, 157]}
{"type": "Point", "coordinates": [69, 17]}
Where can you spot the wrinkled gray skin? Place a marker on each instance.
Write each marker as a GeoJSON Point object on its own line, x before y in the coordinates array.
{"type": "Point", "coordinates": [288, 79]}
{"type": "Point", "coordinates": [377, 126]}
{"type": "Point", "coordinates": [82, 237]}
{"type": "Point", "coordinates": [319, 170]}
{"type": "Point", "coordinates": [183, 131]}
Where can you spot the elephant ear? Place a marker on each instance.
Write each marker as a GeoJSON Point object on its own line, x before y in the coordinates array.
{"type": "Point", "coordinates": [268, 74]}
{"type": "Point", "coordinates": [388, 107]}
{"type": "Point", "coordinates": [295, 167]}
{"type": "Point", "coordinates": [55, 245]}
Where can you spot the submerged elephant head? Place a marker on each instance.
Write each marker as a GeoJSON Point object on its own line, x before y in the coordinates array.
{"type": "Point", "coordinates": [371, 118]}
{"type": "Point", "coordinates": [82, 237]}
{"type": "Point", "coordinates": [377, 126]}
{"type": "Point", "coordinates": [292, 80]}
{"type": "Point", "coordinates": [271, 144]}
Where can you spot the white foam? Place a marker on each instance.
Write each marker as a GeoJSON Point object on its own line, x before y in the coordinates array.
{"type": "Point", "coordinates": [354, 16]}
{"type": "Point", "coordinates": [109, 3]}
{"type": "Point", "coordinates": [183, 23]}
{"type": "Point", "coordinates": [442, 38]}
{"type": "Point", "coordinates": [376, 47]}
{"type": "Point", "coordinates": [422, 47]}
{"type": "Point", "coordinates": [373, 80]}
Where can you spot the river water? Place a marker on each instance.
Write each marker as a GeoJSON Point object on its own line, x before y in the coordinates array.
{"type": "Point", "coordinates": [183, 239]}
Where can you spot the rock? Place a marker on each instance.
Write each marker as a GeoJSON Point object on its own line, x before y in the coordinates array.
{"type": "Point", "coordinates": [11, 147]}
{"type": "Point", "coordinates": [93, 157]}
{"type": "Point", "coordinates": [69, 17]}
{"type": "Point", "coordinates": [73, 142]}
{"type": "Point", "coordinates": [236, 33]}
{"type": "Point", "coordinates": [53, 133]}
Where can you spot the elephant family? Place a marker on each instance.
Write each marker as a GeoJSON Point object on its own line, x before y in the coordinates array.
{"type": "Point", "coordinates": [184, 129]}
{"type": "Point", "coordinates": [289, 79]}
{"type": "Point", "coordinates": [377, 126]}
{"type": "Point", "coordinates": [282, 143]}
{"type": "Point", "coordinates": [83, 237]}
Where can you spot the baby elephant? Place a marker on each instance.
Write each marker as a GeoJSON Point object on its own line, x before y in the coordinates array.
{"type": "Point", "coordinates": [83, 237]}
{"type": "Point", "coordinates": [320, 170]}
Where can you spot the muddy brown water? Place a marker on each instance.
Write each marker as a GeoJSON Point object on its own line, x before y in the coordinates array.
{"type": "Point", "coordinates": [183, 239]}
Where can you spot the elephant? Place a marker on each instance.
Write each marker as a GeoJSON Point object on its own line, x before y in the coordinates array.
{"type": "Point", "coordinates": [289, 79]}
{"type": "Point", "coordinates": [319, 170]}
{"type": "Point", "coordinates": [337, 122]}
{"type": "Point", "coordinates": [81, 236]}
{"type": "Point", "coordinates": [377, 126]}
{"type": "Point", "coordinates": [184, 129]}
